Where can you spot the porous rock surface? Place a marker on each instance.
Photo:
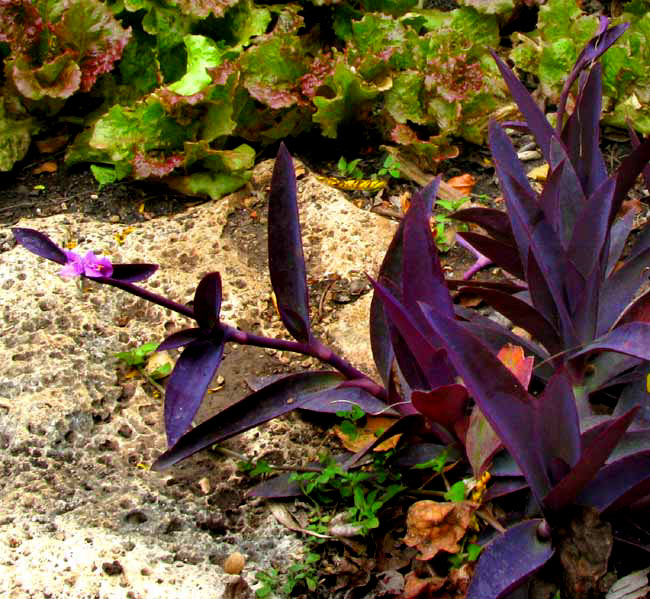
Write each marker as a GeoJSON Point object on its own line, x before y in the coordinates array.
{"type": "Point", "coordinates": [81, 516]}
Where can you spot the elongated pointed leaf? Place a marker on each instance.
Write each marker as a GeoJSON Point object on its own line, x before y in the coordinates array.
{"type": "Point", "coordinates": [495, 222]}
{"type": "Point", "coordinates": [207, 301]}
{"type": "Point", "coordinates": [180, 339]}
{"type": "Point", "coordinates": [508, 407]}
{"type": "Point", "coordinates": [618, 234]}
{"type": "Point", "coordinates": [636, 142]}
{"type": "Point", "coordinates": [522, 315]}
{"type": "Point", "coordinates": [500, 253]}
{"type": "Point", "coordinates": [188, 384]}
{"type": "Point", "coordinates": [481, 442]}
{"type": "Point", "coordinates": [506, 286]}
{"type": "Point", "coordinates": [132, 273]}
{"type": "Point", "coordinates": [535, 118]}
{"type": "Point", "coordinates": [431, 360]}
{"type": "Point", "coordinates": [627, 173]}
{"type": "Point", "coordinates": [286, 260]}
{"type": "Point", "coordinates": [632, 339]}
{"type": "Point", "coordinates": [592, 228]}
{"type": "Point", "coordinates": [505, 486]}
{"type": "Point", "coordinates": [591, 460]}
{"type": "Point", "coordinates": [508, 561]}
{"type": "Point", "coordinates": [422, 279]}
{"type": "Point", "coordinates": [618, 484]}
{"type": "Point", "coordinates": [39, 244]}
{"type": "Point", "coordinates": [552, 194]}
{"type": "Point", "coordinates": [343, 399]}
{"type": "Point", "coordinates": [271, 401]}
{"type": "Point", "coordinates": [581, 133]}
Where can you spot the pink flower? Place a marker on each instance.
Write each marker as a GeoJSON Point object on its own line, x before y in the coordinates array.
{"type": "Point", "coordinates": [90, 265]}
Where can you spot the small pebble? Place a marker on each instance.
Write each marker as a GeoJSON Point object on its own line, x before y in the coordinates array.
{"type": "Point", "coordinates": [234, 563]}
{"type": "Point", "coordinates": [112, 568]}
{"type": "Point", "coordinates": [528, 155]}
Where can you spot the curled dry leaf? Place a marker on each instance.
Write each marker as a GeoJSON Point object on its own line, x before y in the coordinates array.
{"type": "Point", "coordinates": [45, 167]}
{"type": "Point", "coordinates": [433, 526]}
{"type": "Point", "coordinates": [521, 366]}
{"type": "Point", "coordinates": [365, 435]}
{"type": "Point", "coordinates": [420, 588]}
{"type": "Point", "coordinates": [463, 183]}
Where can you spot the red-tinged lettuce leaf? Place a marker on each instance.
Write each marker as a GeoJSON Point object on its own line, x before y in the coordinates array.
{"type": "Point", "coordinates": [16, 130]}
{"type": "Point", "coordinates": [203, 8]}
{"type": "Point", "coordinates": [286, 260]}
{"type": "Point", "coordinates": [432, 361]}
{"type": "Point", "coordinates": [511, 411]}
{"type": "Point", "coordinates": [133, 273]}
{"type": "Point", "coordinates": [502, 254]}
{"type": "Point", "coordinates": [189, 382]}
{"type": "Point", "coordinates": [444, 405]}
{"type": "Point", "coordinates": [619, 484]}
{"type": "Point", "coordinates": [522, 315]}
{"type": "Point", "coordinates": [632, 339]}
{"type": "Point", "coordinates": [495, 222]}
{"type": "Point", "coordinates": [207, 301]}
{"type": "Point", "coordinates": [89, 27]}
{"type": "Point", "coordinates": [155, 167]}
{"type": "Point", "coordinates": [58, 78]}
{"type": "Point", "coordinates": [509, 560]}
{"type": "Point", "coordinates": [39, 244]}
{"type": "Point", "coordinates": [181, 338]}
{"type": "Point", "coordinates": [269, 402]}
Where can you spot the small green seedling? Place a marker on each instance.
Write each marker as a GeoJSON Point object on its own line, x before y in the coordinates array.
{"type": "Point", "coordinates": [443, 209]}
{"type": "Point", "coordinates": [349, 169]}
{"type": "Point", "coordinates": [137, 356]}
{"type": "Point", "coordinates": [349, 424]}
{"type": "Point", "coordinates": [390, 167]}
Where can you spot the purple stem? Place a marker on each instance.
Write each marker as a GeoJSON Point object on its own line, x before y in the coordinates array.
{"type": "Point", "coordinates": [314, 348]}
{"type": "Point", "coordinates": [481, 260]}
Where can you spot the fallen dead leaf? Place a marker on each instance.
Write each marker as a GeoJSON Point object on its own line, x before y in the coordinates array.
{"type": "Point", "coordinates": [51, 144]}
{"type": "Point", "coordinates": [468, 300]}
{"type": "Point", "coordinates": [459, 578]}
{"type": "Point", "coordinates": [367, 434]}
{"type": "Point", "coordinates": [539, 173]}
{"type": "Point", "coordinates": [46, 167]}
{"type": "Point", "coordinates": [421, 588]}
{"type": "Point", "coordinates": [433, 526]}
{"type": "Point", "coordinates": [463, 183]}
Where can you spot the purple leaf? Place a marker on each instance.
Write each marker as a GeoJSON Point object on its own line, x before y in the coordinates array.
{"type": "Point", "coordinates": [276, 399]}
{"type": "Point", "coordinates": [507, 286]}
{"type": "Point", "coordinates": [39, 244]}
{"type": "Point", "coordinates": [431, 360]}
{"type": "Point", "coordinates": [618, 484]}
{"type": "Point", "coordinates": [535, 119]}
{"type": "Point", "coordinates": [343, 399]}
{"type": "Point", "coordinates": [132, 273]}
{"type": "Point", "coordinates": [444, 405]}
{"type": "Point", "coordinates": [495, 222]}
{"type": "Point", "coordinates": [509, 560]}
{"type": "Point", "coordinates": [188, 384]}
{"type": "Point", "coordinates": [207, 301]}
{"type": "Point", "coordinates": [581, 133]}
{"type": "Point", "coordinates": [180, 339]}
{"type": "Point", "coordinates": [618, 235]}
{"type": "Point", "coordinates": [591, 461]}
{"type": "Point", "coordinates": [632, 339]}
{"type": "Point", "coordinates": [503, 487]}
{"type": "Point", "coordinates": [626, 175]}
{"type": "Point", "coordinates": [500, 253]}
{"type": "Point", "coordinates": [286, 260]}
{"type": "Point", "coordinates": [508, 407]}
{"type": "Point", "coordinates": [635, 144]}
{"type": "Point", "coordinates": [276, 487]}
{"type": "Point", "coordinates": [592, 228]}
{"type": "Point", "coordinates": [593, 50]}
{"type": "Point", "coordinates": [522, 315]}
{"type": "Point", "coordinates": [422, 278]}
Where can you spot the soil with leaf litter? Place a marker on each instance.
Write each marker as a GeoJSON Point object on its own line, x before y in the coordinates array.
{"type": "Point", "coordinates": [349, 568]}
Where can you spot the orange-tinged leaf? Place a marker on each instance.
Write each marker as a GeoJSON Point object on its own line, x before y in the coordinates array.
{"type": "Point", "coordinates": [539, 173]}
{"type": "Point", "coordinates": [46, 167]}
{"type": "Point", "coordinates": [433, 526]}
{"type": "Point", "coordinates": [512, 356]}
{"type": "Point", "coordinates": [463, 183]}
{"type": "Point", "coordinates": [52, 144]}
{"type": "Point", "coordinates": [421, 588]}
{"type": "Point", "coordinates": [366, 434]}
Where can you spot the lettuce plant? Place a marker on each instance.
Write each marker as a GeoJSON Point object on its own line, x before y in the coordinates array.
{"type": "Point", "coordinates": [438, 362]}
